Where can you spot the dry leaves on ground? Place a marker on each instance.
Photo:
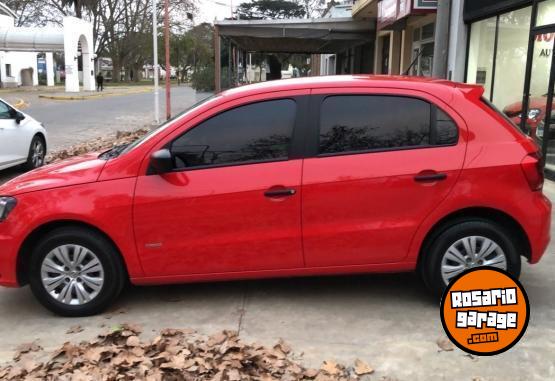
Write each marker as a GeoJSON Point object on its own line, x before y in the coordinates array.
{"type": "Point", "coordinates": [74, 329]}
{"type": "Point", "coordinates": [445, 345]}
{"type": "Point", "coordinates": [97, 145]}
{"type": "Point", "coordinates": [173, 355]}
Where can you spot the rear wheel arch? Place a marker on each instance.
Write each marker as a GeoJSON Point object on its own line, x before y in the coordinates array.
{"type": "Point", "coordinates": [24, 253]}
{"type": "Point", "coordinates": [477, 213]}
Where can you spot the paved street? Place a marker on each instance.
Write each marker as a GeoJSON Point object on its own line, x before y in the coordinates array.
{"type": "Point", "coordinates": [390, 321]}
{"type": "Point", "coordinates": [71, 122]}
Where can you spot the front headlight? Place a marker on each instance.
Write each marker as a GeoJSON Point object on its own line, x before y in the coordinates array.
{"type": "Point", "coordinates": [534, 113]}
{"type": "Point", "coordinates": [6, 206]}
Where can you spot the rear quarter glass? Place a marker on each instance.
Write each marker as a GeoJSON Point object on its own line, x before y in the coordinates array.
{"type": "Point", "coordinates": [505, 118]}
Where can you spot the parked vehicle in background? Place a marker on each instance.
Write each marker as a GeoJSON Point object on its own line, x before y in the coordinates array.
{"type": "Point", "coordinates": [535, 121]}
{"type": "Point", "coordinates": [23, 140]}
{"type": "Point", "coordinates": [313, 176]}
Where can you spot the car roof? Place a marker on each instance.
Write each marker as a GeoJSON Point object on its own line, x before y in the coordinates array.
{"type": "Point", "coordinates": [436, 86]}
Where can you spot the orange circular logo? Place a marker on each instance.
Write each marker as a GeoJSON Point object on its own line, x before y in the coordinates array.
{"type": "Point", "coordinates": [485, 311]}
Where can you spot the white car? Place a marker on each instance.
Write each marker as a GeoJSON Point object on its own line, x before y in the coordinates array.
{"type": "Point", "coordinates": [23, 140]}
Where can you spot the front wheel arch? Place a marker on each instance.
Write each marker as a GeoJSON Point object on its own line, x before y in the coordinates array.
{"type": "Point", "coordinates": [24, 253]}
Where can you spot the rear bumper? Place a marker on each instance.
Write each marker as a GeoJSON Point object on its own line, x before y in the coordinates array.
{"type": "Point", "coordinates": [539, 239]}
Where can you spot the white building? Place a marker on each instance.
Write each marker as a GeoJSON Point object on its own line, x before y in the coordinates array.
{"type": "Point", "coordinates": [16, 68]}
{"type": "Point", "coordinates": [328, 62]}
{"type": "Point", "coordinates": [19, 48]}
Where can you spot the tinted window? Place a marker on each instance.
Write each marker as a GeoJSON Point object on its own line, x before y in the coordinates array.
{"type": "Point", "coordinates": [447, 130]}
{"type": "Point", "coordinates": [5, 111]}
{"type": "Point", "coordinates": [256, 132]}
{"type": "Point", "coordinates": [360, 122]}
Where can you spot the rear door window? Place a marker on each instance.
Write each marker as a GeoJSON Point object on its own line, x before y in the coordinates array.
{"type": "Point", "coordinates": [365, 123]}
{"type": "Point", "coordinates": [353, 123]}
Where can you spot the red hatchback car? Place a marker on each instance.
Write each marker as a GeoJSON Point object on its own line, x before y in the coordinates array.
{"type": "Point", "coordinates": [329, 175]}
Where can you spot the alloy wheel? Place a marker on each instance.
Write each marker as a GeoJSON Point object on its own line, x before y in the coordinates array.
{"type": "Point", "coordinates": [72, 274]}
{"type": "Point", "coordinates": [37, 153]}
{"type": "Point", "coordinates": [470, 252]}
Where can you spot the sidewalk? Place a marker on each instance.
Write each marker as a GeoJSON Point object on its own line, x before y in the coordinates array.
{"type": "Point", "coordinates": [60, 95]}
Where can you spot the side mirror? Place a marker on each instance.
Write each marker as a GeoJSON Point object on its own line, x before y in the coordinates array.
{"type": "Point", "coordinates": [161, 162]}
{"type": "Point", "coordinates": [19, 116]}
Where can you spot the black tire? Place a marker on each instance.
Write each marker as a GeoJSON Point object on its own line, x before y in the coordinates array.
{"type": "Point", "coordinates": [113, 270]}
{"type": "Point", "coordinates": [434, 251]}
{"type": "Point", "coordinates": [35, 159]}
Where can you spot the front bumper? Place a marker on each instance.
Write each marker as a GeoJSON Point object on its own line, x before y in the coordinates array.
{"type": "Point", "coordinates": [8, 261]}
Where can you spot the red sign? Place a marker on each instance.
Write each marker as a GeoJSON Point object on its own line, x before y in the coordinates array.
{"type": "Point", "coordinates": [387, 13]}
{"type": "Point", "coordinates": [390, 11]}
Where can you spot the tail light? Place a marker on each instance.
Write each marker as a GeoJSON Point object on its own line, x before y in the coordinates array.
{"type": "Point", "coordinates": [533, 170]}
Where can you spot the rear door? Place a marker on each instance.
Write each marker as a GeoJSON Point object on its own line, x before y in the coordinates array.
{"type": "Point", "coordinates": [382, 161]}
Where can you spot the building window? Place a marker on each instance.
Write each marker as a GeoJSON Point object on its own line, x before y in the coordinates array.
{"type": "Point", "coordinates": [500, 65]}
{"type": "Point", "coordinates": [8, 70]}
{"type": "Point", "coordinates": [423, 50]}
{"type": "Point", "coordinates": [546, 13]}
{"type": "Point", "coordinates": [510, 61]}
{"type": "Point", "coordinates": [480, 54]}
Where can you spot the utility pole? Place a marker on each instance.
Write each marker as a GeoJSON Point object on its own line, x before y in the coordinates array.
{"type": "Point", "coordinates": [441, 46]}
{"type": "Point", "coordinates": [168, 64]}
{"type": "Point", "coordinates": [155, 63]}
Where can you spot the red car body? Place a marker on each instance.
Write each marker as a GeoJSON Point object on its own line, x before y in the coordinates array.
{"type": "Point", "coordinates": [349, 213]}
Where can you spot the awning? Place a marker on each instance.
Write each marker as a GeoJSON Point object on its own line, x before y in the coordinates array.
{"type": "Point", "coordinates": [309, 36]}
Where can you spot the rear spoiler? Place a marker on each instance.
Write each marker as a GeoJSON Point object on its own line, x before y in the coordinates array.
{"type": "Point", "coordinates": [471, 91]}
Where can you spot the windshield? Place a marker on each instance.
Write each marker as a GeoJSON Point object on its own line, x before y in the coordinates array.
{"type": "Point", "coordinates": [162, 127]}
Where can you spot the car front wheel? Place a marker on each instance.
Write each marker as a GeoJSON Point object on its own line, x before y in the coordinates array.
{"type": "Point", "coordinates": [466, 245]}
{"type": "Point", "coordinates": [37, 153]}
{"type": "Point", "coordinates": [76, 272]}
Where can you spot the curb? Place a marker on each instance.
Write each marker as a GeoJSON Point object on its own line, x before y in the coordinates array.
{"type": "Point", "coordinates": [92, 96]}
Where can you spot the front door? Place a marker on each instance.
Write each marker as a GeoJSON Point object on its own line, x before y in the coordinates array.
{"type": "Point", "coordinates": [384, 162]}
{"type": "Point", "coordinates": [232, 203]}
{"type": "Point", "coordinates": [14, 143]}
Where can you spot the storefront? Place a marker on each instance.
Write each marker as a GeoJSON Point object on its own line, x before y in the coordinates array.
{"type": "Point", "coordinates": [510, 53]}
{"type": "Point", "coordinates": [405, 37]}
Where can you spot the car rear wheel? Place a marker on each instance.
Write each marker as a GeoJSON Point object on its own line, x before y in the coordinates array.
{"type": "Point", "coordinates": [76, 272]}
{"type": "Point", "coordinates": [466, 245]}
{"type": "Point", "coordinates": [37, 153]}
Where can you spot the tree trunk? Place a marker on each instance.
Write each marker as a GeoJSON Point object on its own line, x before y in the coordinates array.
{"type": "Point", "coordinates": [116, 70]}
{"type": "Point", "coordinates": [137, 74]}
{"type": "Point", "coordinates": [78, 10]}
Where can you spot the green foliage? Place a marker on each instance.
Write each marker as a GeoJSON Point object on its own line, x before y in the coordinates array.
{"type": "Point", "coordinates": [270, 9]}
{"type": "Point", "coordinates": [203, 78]}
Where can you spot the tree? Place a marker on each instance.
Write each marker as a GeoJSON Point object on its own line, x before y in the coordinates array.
{"type": "Point", "coordinates": [270, 9]}
{"type": "Point", "coordinates": [123, 30]}
{"type": "Point", "coordinates": [35, 12]}
{"type": "Point", "coordinates": [193, 50]}
{"type": "Point", "coordinates": [313, 8]}
{"type": "Point", "coordinates": [77, 6]}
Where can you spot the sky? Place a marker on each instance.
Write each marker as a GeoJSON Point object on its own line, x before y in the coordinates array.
{"type": "Point", "coordinates": [219, 9]}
